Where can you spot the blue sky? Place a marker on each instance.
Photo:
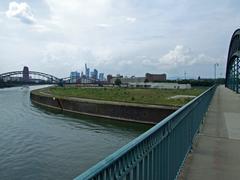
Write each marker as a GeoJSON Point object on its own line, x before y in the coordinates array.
{"type": "Point", "coordinates": [129, 37]}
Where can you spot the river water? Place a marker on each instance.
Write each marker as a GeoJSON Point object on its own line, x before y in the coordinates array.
{"type": "Point", "coordinates": [37, 143]}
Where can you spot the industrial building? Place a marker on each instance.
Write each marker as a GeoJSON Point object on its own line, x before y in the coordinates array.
{"type": "Point", "coordinates": [126, 80]}
{"type": "Point", "coordinates": [160, 85]}
{"type": "Point", "coordinates": [155, 77]}
{"type": "Point", "coordinates": [148, 78]}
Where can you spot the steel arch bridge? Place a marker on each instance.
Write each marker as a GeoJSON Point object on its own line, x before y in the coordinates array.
{"type": "Point", "coordinates": [50, 78]}
{"type": "Point", "coordinates": [233, 63]}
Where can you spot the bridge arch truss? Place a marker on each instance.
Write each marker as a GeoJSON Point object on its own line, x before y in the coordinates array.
{"type": "Point", "coordinates": [233, 63]}
{"type": "Point", "coordinates": [50, 78]}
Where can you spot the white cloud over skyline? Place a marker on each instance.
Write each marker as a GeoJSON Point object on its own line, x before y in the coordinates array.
{"type": "Point", "coordinates": [182, 56]}
{"type": "Point", "coordinates": [21, 11]}
{"type": "Point", "coordinates": [131, 19]}
{"type": "Point", "coordinates": [126, 37]}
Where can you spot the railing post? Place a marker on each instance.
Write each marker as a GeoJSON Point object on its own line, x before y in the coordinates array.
{"type": "Point", "coordinates": [237, 69]}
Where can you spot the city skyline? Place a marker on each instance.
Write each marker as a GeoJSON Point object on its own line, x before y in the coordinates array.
{"type": "Point", "coordinates": [87, 76]}
{"type": "Point", "coordinates": [127, 37]}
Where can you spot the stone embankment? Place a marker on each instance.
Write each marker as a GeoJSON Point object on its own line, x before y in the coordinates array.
{"type": "Point", "coordinates": [149, 114]}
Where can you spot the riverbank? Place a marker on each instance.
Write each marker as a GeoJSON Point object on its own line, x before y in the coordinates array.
{"type": "Point", "coordinates": [133, 112]}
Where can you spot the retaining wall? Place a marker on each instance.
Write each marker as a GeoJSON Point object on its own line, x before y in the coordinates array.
{"type": "Point", "coordinates": [150, 114]}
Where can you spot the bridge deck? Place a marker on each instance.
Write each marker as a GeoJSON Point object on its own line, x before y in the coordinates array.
{"type": "Point", "coordinates": [216, 153]}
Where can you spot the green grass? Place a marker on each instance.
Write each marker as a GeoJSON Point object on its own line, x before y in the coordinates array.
{"type": "Point", "coordinates": [142, 96]}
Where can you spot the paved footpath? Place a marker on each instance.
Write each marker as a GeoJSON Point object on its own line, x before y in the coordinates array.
{"type": "Point", "coordinates": [216, 153]}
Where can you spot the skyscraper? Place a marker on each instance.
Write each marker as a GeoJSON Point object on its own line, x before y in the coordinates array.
{"type": "Point", "coordinates": [87, 71]}
{"type": "Point", "coordinates": [74, 76]}
{"type": "Point", "coordinates": [94, 74]}
{"type": "Point", "coordinates": [101, 76]}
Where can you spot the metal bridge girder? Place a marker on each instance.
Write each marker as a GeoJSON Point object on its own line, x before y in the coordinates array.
{"type": "Point", "coordinates": [47, 76]}
{"type": "Point", "coordinates": [233, 63]}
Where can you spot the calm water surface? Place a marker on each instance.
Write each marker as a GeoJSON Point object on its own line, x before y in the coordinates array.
{"type": "Point", "coordinates": [36, 143]}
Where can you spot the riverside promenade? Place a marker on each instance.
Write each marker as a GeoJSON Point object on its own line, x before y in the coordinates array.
{"type": "Point", "coordinates": [216, 152]}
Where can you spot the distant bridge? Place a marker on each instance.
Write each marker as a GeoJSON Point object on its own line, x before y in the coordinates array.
{"type": "Point", "coordinates": [27, 76]}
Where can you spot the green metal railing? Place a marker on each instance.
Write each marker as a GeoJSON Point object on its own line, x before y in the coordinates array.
{"type": "Point", "coordinates": [158, 153]}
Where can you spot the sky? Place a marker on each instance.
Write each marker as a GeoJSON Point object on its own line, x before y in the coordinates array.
{"type": "Point", "coordinates": [128, 37]}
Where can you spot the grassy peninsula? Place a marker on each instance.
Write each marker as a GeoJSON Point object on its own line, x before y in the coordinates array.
{"type": "Point", "coordinates": [171, 97]}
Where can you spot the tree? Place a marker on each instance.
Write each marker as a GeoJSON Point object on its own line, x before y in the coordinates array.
{"type": "Point", "coordinates": [118, 82]}
{"type": "Point", "coordinates": [146, 80]}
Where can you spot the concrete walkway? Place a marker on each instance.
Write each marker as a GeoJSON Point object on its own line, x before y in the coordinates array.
{"type": "Point", "coordinates": [216, 153]}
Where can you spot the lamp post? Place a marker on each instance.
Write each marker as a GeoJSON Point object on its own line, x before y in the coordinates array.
{"type": "Point", "coordinates": [215, 70]}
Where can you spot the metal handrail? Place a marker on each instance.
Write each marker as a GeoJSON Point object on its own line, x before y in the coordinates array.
{"type": "Point", "coordinates": [153, 154]}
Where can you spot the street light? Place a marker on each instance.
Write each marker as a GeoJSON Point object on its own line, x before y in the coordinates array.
{"type": "Point", "coordinates": [215, 70]}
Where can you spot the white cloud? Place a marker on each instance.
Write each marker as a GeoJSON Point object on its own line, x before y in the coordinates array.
{"type": "Point", "coordinates": [131, 19]}
{"type": "Point", "coordinates": [82, 7]}
{"type": "Point", "coordinates": [182, 56]}
{"type": "Point", "coordinates": [40, 28]}
{"type": "Point", "coordinates": [67, 57]}
{"type": "Point", "coordinates": [119, 36]}
{"type": "Point", "coordinates": [178, 56]}
{"type": "Point", "coordinates": [103, 25]}
{"type": "Point", "coordinates": [21, 11]}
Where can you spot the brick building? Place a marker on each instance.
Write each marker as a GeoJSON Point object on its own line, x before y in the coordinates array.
{"type": "Point", "coordinates": [155, 77]}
